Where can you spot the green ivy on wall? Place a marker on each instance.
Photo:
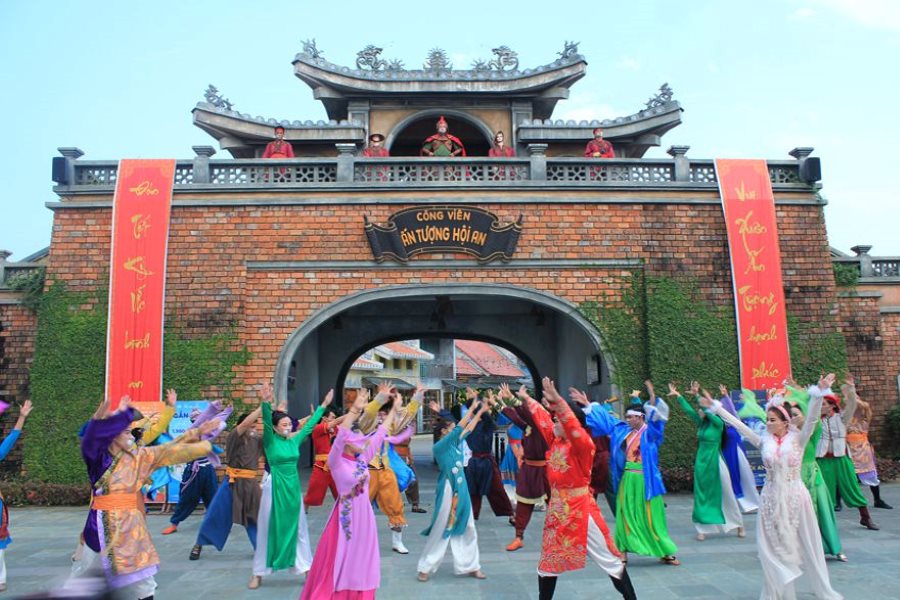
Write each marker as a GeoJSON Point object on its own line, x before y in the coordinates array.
{"type": "Point", "coordinates": [661, 328]}
{"type": "Point", "coordinates": [814, 352]}
{"type": "Point", "coordinates": [67, 375]}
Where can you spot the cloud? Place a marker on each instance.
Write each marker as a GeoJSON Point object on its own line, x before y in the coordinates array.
{"type": "Point", "coordinates": [801, 14]}
{"type": "Point", "coordinates": [585, 107]}
{"type": "Point", "coordinates": [875, 14]}
{"type": "Point", "coordinates": [629, 62]}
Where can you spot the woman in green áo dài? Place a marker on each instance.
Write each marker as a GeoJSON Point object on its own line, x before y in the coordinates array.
{"type": "Point", "coordinates": [282, 532]}
{"type": "Point", "coordinates": [715, 508]}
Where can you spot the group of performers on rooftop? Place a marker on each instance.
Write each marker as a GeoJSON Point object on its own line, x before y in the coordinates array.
{"type": "Point", "coordinates": [566, 453]}
{"type": "Point", "coordinates": [441, 144]}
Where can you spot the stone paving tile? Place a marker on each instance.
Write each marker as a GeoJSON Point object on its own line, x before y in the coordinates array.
{"type": "Point", "coordinates": [720, 567]}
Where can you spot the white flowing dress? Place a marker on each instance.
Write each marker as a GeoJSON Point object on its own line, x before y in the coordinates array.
{"type": "Point", "coordinates": [787, 533]}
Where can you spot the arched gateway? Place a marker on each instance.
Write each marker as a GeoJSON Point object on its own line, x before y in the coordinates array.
{"type": "Point", "coordinates": [549, 333]}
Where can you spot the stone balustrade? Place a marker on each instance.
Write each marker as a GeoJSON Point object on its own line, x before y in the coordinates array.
{"type": "Point", "coordinates": [350, 171]}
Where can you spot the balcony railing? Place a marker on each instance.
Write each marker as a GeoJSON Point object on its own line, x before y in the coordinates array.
{"type": "Point", "coordinates": [349, 171]}
{"type": "Point", "coordinates": [873, 267]}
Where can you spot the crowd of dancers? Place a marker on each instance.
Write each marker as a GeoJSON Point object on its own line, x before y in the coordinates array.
{"type": "Point", "coordinates": [564, 453]}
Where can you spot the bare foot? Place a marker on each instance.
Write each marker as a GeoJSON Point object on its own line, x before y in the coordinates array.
{"type": "Point", "coordinates": [478, 574]}
{"type": "Point", "coordinates": [255, 582]}
{"type": "Point", "coordinates": [700, 537]}
{"type": "Point", "coordinates": [741, 532]}
{"type": "Point", "coordinates": [423, 576]}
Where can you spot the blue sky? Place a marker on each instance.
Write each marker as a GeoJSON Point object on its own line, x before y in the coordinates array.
{"type": "Point", "coordinates": [119, 79]}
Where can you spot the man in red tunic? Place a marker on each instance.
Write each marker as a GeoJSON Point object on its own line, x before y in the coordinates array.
{"type": "Point", "coordinates": [320, 480]}
{"type": "Point", "coordinates": [598, 147]}
{"type": "Point", "coordinates": [278, 148]}
{"type": "Point", "coordinates": [442, 143]}
{"type": "Point", "coordinates": [574, 528]}
{"type": "Point", "coordinates": [375, 148]}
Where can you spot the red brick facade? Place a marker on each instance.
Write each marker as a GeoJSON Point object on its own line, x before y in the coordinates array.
{"type": "Point", "coordinates": [18, 328]}
{"type": "Point", "coordinates": [873, 348]}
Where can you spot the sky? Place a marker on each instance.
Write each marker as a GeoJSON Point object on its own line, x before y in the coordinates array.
{"type": "Point", "coordinates": [756, 79]}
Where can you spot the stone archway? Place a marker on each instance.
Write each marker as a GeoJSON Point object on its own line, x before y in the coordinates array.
{"type": "Point", "coordinates": [553, 337]}
{"type": "Point", "coordinates": [406, 138]}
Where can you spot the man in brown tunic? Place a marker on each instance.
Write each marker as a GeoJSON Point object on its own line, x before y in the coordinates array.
{"type": "Point", "coordinates": [237, 500]}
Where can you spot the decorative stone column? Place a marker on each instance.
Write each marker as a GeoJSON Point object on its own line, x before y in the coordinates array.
{"type": "Point", "coordinates": [682, 164]}
{"type": "Point", "coordinates": [538, 154]}
{"type": "Point", "coordinates": [71, 154]}
{"type": "Point", "coordinates": [345, 161]}
{"type": "Point", "coordinates": [865, 260]}
{"type": "Point", "coordinates": [200, 173]}
{"type": "Point", "coordinates": [4, 254]}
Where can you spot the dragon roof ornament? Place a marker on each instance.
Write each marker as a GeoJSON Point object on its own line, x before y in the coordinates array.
{"type": "Point", "coordinates": [504, 65]}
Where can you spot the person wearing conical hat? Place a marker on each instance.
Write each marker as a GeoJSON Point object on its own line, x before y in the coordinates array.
{"type": "Point", "coordinates": [376, 147]}
{"type": "Point", "coordinates": [442, 144]}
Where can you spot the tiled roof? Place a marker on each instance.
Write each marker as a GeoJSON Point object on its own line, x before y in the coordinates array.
{"type": "Point", "coordinates": [465, 367]}
{"type": "Point", "coordinates": [365, 364]}
{"type": "Point", "coordinates": [487, 358]}
{"type": "Point", "coordinates": [403, 350]}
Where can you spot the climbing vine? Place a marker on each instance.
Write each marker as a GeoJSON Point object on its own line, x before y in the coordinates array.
{"type": "Point", "coordinates": [67, 375]}
{"type": "Point", "coordinates": [662, 328]}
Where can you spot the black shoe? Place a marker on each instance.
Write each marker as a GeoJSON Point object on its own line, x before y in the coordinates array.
{"type": "Point", "coordinates": [195, 552]}
{"type": "Point", "coordinates": [882, 504]}
{"type": "Point", "coordinates": [838, 508]}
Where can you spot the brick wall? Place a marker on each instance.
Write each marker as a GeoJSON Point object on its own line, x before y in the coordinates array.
{"type": "Point", "coordinates": [873, 347]}
{"type": "Point", "coordinates": [18, 327]}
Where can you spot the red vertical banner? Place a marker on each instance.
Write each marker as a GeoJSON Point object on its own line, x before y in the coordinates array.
{"type": "Point", "coordinates": [137, 277]}
{"type": "Point", "coordinates": [749, 208]}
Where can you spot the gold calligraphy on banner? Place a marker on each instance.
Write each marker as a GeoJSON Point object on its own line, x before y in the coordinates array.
{"type": "Point", "coordinates": [140, 224]}
{"type": "Point", "coordinates": [746, 228]}
{"type": "Point", "coordinates": [135, 385]}
{"type": "Point", "coordinates": [137, 300]}
{"type": "Point", "coordinates": [751, 300]}
{"type": "Point", "coordinates": [141, 343]}
{"type": "Point", "coordinates": [136, 265]}
{"type": "Point", "coordinates": [144, 188]}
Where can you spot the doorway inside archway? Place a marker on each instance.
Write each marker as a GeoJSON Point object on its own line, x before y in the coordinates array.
{"type": "Point", "coordinates": [548, 334]}
{"type": "Point", "coordinates": [408, 141]}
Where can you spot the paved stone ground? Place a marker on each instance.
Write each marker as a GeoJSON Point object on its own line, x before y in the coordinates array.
{"type": "Point", "coordinates": [720, 567]}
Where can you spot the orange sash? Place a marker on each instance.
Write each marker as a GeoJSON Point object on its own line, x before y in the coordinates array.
{"type": "Point", "coordinates": [118, 501]}
{"type": "Point", "coordinates": [234, 473]}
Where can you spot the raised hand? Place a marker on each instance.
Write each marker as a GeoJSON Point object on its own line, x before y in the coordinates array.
{"type": "Point", "coordinates": [471, 394]}
{"type": "Point", "coordinates": [550, 391]}
{"type": "Point", "coordinates": [673, 391]}
{"type": "Point", "coordinates": [695, 388]}
{"type": "Point", "coordinates": [25, 410]}
{"type": "Point", "coordinates": [505, 393]}
{"type": "Point", "coordinates": [723, 389]}
{"type": "Point", "coordinates": [385, 389]}
{"type": "Point", "coordinates": [705, 400]}
{"type": "Point", "coordinates": [328, 398]}
{"type": "Point", "coordinates": [827, 381]}
{"type": "Point", "coordinates": [850, 380]}
{"type": "Point", "coordinates": [578, 396]}
{"type": "Point", "coordinates": [649, 385]}
{"type": "Point", "coordinates": [522, 393]}
{"type": "Point", "coordinates": [419, 394]}
{"type": "Point", "coordinates": [266, 392]}
{"type": "Point", "coordinates": [171, 397]}
{"type": "Point", "coordinates": [124, 404]}
{"type": "Point", "coordinates": [102, 411]}
{"type": "Point", "coordinates": [434, 406]}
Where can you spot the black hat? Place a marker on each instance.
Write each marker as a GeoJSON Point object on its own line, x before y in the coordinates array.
{"type": "Point", "coordinates": [376, 137]}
